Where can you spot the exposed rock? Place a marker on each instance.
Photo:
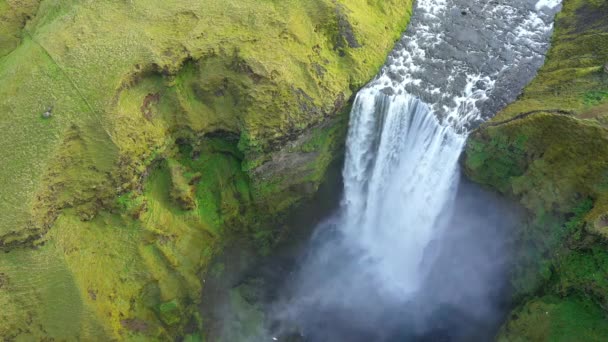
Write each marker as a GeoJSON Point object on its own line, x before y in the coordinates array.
{"type": "Point", "coordinates": [134, 324]}
{"type": "Point", "coordinates": [48, 113]}
{"type": "Point", "coordinates": [345, 31]}
{"type": "Point", "coordinates": [388, 91]}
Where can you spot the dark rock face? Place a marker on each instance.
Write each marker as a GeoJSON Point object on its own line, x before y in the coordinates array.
{"type": "Point", "coordinates": [591, 17]}
{"type": "Point", "coordinates": [345, 31]}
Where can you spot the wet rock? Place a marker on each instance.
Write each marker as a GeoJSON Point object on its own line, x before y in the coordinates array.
{"type": "Point", "coordinates": [388, 91]}
{"type": "Point", "coordinates": [395, 76]}
{"type": "Point", "coordinates": [481, 85]}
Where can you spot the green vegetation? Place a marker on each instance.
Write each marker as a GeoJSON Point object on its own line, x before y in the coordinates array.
{"type": "Point", "coordinates": [13, 15]}
{"type": "Point", "coordinates": [552, 318]}
{"type": "Point", "coordinates": [140, 136]}
{"type": "Point", "coordinates": [549, 151]}
{"type": "Point", "coordinates": [572, 79]}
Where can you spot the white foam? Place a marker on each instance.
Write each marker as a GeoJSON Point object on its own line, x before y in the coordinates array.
{"type": "Point", "coordinates": [399, 174]}
{"type": "Point", "coordinates": [523, 33]}
{"type": "Point", "coordinates": [547, 3]}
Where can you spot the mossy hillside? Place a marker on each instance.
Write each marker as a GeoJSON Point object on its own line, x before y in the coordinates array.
{"type": "Point", "coordinates": [133, 273]}
{"type": "Point", "coordinates": [296, 171]}
{"type": "Point", "coordinates": [552, 318]}
{"type": "Point", "coordinates": [124, 219]}
{"type": "Point", "coordinates": [555, 166]}
{"type": "Point", "coordinates": [13, 16]}
{"type": "Point", "coordinates": [548, 151]}
{"type": "Point", "coordinates": [549, 162]}
{"type": "Point", "coordinates": [573, 306]}
{"type": "Point", "coordinates": [285, 62]}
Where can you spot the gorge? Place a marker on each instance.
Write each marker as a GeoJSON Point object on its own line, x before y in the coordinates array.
{"type": "Point", "coordinates": [226, 170]}
{"type": "Point", "coordinates": [372, 271]}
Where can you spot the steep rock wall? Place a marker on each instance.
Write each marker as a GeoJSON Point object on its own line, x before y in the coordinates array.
{"type": "Point", "coordinates": [548, 150]}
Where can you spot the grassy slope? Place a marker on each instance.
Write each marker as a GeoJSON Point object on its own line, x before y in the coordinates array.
{"type": "Point", "coordinates": [107, 222]}
{"type": "Point", "coordinates": [549, 150]}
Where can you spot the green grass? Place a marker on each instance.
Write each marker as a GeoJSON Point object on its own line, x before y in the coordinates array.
{"type": "Point", "coordinates": [555, 319]}
{"type": "Point", "coordinates": [594, 97]}
{"type": "Point", "coordinates": [102, 223]}
{"type": "Point", "coordinates": [13, 14]}
{"type": "Point", "coordinates": [244, 62]}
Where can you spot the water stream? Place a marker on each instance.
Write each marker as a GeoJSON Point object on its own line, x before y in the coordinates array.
{"type": "Point", "coordinates": [380, 268]}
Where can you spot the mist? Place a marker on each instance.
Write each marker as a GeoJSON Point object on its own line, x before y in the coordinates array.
{"type": "Point", "coordinates": [463, 296]}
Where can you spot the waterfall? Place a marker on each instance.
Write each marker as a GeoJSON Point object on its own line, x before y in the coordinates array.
{"type": "Point", "coordinates": [458, 64]}
{"type": "Point", "coordinates": [400, 173]}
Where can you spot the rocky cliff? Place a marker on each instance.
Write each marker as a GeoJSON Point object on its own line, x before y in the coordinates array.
{"type": "Point", "coordinates": [139, 136]}
{"type": "Point", "coordinates": [549, 151]}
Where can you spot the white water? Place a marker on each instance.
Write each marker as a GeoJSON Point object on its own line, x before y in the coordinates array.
{"type": "Point", "coordinates": [401, 171]}
{"type": "Point", "coordinates": [547, 3]}
{"type": "Point", "coordinates": [459, 62]}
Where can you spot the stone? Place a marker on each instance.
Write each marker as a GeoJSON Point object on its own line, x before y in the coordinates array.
{"type": "Point", "coordinates": [48, 113]}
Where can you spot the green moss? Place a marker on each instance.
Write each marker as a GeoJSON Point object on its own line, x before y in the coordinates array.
{"type": "Point", "coordinates": [502, 158]}
{"type": "Point", "coordinates": [170, 312]}
{"type": "Point", "coordinates": [560, 175]}
{"type": "Point", "coordinates": [541, 242]}
{"type": "Point", "coordinates": [181, 190]}
{"type": "Point", "coordinates": [548, 150]}
{"type": "Point", "coordinates": [193, 338]}
{"type": "Point", "coordinates": [558, 164]}
{"type": "Point", "coordinates": [13, 16]}
{"type": "Point", "coordinates": [594, 97]}
{"type": "Point", "coordinates": [584, 272]}
{"type": "Point", "coordinates": [551, 318]}
{"type": "Point", "coordinates": [224, 72]}
{"type": "Point", "coordinates": [101, 185]}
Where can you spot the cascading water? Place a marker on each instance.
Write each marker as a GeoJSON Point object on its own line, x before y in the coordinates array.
{"type": "Point", "coordinates": [401, 170]}
{"type": "Point", "coordinates": [458, 64]}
